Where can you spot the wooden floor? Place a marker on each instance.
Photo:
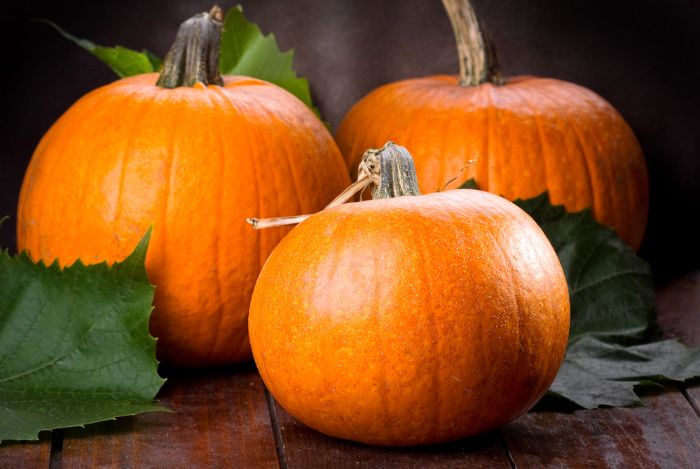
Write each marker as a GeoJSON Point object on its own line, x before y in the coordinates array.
{"type": "Point", "coordinates": [227, 419]}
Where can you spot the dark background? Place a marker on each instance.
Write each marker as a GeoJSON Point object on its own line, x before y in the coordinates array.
{"type": "Point", "coordinates": [642, 56]}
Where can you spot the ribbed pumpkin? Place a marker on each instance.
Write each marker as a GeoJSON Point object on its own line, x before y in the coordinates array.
{"type": "Point", "coordinates": [189, 160]}
{"type": "Point", "coordinates": [410, 320]}
{"type": "Point", "coordinates": [527, 134]}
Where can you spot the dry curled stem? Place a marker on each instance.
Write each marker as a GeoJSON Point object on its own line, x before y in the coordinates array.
{"type": "Point", "coordinates": [458, 175]}
{"type": "Point", "coordinates": [369, 173]}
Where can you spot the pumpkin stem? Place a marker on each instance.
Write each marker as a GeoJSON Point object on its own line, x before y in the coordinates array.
{"type": "Point", "coordinates": [478, 59]}
{"type": "Point", "coordinates": [396, 170]}
{"type": "Point", "coordinates": [390, 171]}
{"type": "Point", "coordinates": [194, 56]}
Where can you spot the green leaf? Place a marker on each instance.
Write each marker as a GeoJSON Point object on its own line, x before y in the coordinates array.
{"type": "Point", "coordinates": [74, 343]}
{"type": "Point", "coordinates": [468, 184]}
{"type": "Point", "coordinates": [125, 62]}
{"type": "Point", "coordinates": [613, 343]}
{"type": "Point", "coordinates": [156, 62]}
{"type": "Point", "coordinates": [596, 373]}
{"type": "Point", "coordinates": [611, 289]}
{"type": "Point", "coordinates": [246, 51]}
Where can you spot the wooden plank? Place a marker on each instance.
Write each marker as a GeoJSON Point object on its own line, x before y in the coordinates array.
{"type": "Point", "coordinates": [678, 304]}
{"type": "Point", "coordinates": [305, 448]}
{"type": "Point", "coordinates": [664, 433]}
{"type": "Point", "coordinates": [220, 419]}
{"type": "Point", "coordinates": [27, 454]}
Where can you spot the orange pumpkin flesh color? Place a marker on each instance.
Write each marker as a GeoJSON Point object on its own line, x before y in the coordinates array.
{"type": "Point", "coordinates": [188, 161]}
{"type": "Point", "coordinates": [528, 135]}
{"type": "Point", "coordinates": [411, 320]}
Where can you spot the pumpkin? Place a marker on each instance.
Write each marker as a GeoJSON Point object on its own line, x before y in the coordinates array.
{"type": "Point", "coordinates": [410, 320]}
{"type": "Point", "coordinates": [187, 156]}
{"type": "Point", "coordinates": [527, 134]}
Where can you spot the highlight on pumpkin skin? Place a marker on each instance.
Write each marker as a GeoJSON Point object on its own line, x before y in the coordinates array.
{"type": "Point", "coordinates": [145, 168]}
{"type": "Point", "coordinates": [467, 299]}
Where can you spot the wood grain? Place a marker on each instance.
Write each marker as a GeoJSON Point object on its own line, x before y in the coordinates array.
{"type": "Point", "coordinates": [664, 433]}
{"type": "Point", "coordinates": [678, 305]}
{"type": "Point", "coordinates": [29, 454]}
{"type": "Point", "coordinates": [304, 448]}
{"type": "Point", "coordinates": [220, 419]}
{"type": "Point", "coordinates": [225, 418]}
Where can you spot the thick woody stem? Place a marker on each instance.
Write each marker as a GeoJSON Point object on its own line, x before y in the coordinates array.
{"type": "Point", "coordinates": [478, 60]}
{"type": "Point", "coordinates": [194, 56]}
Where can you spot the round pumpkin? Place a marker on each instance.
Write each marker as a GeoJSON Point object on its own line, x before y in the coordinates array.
{"type": "Point", "coordinates": [192, 161]}
{"type": "Point", "coordinates": [411, 320]}
{"type": "Point", "coordinates": [528, 135]}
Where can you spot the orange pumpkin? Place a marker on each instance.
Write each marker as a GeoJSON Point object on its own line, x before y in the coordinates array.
{"type": "Point", "coordinates": [411, 320]}
{"type": "Point", "coordinates": [527, 135]}
{"type": "Point", "coordinates": [190, 161]}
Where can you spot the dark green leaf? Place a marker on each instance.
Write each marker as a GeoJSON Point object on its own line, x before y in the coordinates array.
{"type": "Point", "coordinates": [74, 343]}
{"type": "Point", "coordinates": [613, 343]}
{"type": "Point", "coordinates": [610, 287]}
{"type": "Point", "coordinates": [596, 372]}
{"type": "Point", "coordinates": [156, 62]}
{"type": "Point", "coordinates": [246, 51]}
{"type": "Point", "coordinates": [468, 184]}
{"type": "Point", "coordinates": [124, 62]}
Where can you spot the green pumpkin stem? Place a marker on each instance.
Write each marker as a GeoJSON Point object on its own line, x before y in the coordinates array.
{"type": "Point", "coordinates": [389, 171]}
{"type": "Point", "coordinates": [478, 59]}
{"type": "Point", "coordinates": [396, 171]}
{"type": "Point", "coordinates": [194, 56]}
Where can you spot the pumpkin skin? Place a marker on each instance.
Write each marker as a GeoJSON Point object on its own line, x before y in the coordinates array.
{"type": "Point", "coordinates": [193, 163]}
{"type": "Point", "coordinates": [411, 320]}
{"type": "Point", "coordinates": [530, 135]}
